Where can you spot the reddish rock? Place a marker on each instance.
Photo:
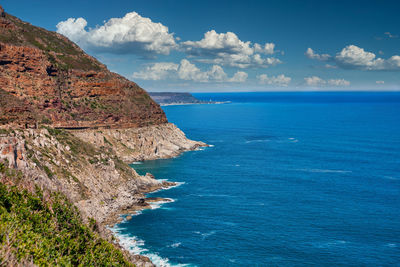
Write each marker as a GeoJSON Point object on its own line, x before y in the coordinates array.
{"type": "Point", "coordinates": [2, 13]}
{"type": "Point", "coordinates": [47, 79]}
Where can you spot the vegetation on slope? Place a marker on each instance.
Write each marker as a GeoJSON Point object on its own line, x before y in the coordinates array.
{"type": "Point", "coordinates": [48, 232]}
{"type": "Point", "coordinates": [60, 51]}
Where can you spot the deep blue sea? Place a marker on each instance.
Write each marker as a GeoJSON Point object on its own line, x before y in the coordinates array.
{"type": "Point", "coordinates": [292, 179]}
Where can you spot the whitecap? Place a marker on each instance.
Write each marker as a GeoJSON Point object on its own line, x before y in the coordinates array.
{"type": "Point", "coordinates": [323, 170]}
{"type": "Point", "coordinates": [137, 162]}
{"type": "Point", "coordinates": [205, 235]}
{"type": "Point", "coordinates": [158, 204]}
{"type": "Point", "coordinates": [258, 141]}
{"type": "Point", "coordinates": [175, 245]}
{"type": "Point", "coordinates": [391, 178]}
{"type": "Point", "coordinates": [391, 245]}
{"type": "Point", "coordinates": [334, 243]}
{"type": "Point", "coordinates": [167, 188]}
{"type": "Point", "coordinates": [136, 246]}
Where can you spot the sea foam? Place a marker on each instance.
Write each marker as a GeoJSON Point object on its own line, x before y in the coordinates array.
{"type": "Point", "coordinates": [158, 204]}
{"type": "Point", "coordinates": [137, 246]}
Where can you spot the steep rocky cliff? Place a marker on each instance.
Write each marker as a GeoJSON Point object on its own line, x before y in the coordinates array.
{"type": "Point", "coordinates": [47, 79]}
{"type": "Point", "coordinates": [69, 126]}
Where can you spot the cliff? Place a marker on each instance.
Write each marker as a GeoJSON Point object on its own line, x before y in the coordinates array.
{"type": "Point", "coordinates": [47, 79]}
{"type": "Point", "coordinates": [68, 129]}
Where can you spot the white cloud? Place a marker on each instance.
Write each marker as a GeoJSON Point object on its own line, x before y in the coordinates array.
{"type": "Point", "coordinates": [314, 81]}
{"type": "Point", "coordinates": [380, 82]}
{"type": "Point", "coordinates": [268, 48]}
{"type": "Point", "coordinates": [317, 81]}
{"type": "Point", "coordinates": [354, 57]}
{"type": "Point", "coordinates": [311, 54]}
{"type": "Point", "coordinates": [239, 77]}
{"type": "Point", "coordinates": [330, 66]}
{"type": "Point", "coordinates": [157, 71]}
{"type": "Point", "coordinates": [280, 80]}
{"type": "Point", "coordinates": [227, 49]}
{"type": "Point", "coordinates": [132, 34]}
{"type": "Point", "coordinates": [338, 82]}
{"type": "Point", "coordinates": [187, 71]}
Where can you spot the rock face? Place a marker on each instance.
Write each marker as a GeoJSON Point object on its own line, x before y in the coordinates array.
{"type": "Point", "coordinates": [47, 79]}
{"type": "Point", "coordinates": [69, 125]}
{"type": "Point", "coordinates": [91, 174]}
{"type": "Point", "coordinates": [138, 144]}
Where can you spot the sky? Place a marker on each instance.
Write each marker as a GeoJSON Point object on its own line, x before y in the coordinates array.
{"type": "Point", "coordinates": [207, 46]}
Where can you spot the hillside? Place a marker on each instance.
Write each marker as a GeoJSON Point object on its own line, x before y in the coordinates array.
{"type": "Point", "coordinates": [68, 130]}
{"type": "Point", "coordinates": [47, 79]}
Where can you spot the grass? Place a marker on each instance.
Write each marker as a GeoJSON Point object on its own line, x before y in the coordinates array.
{"type": "Point", "coordinates": [76, 145]}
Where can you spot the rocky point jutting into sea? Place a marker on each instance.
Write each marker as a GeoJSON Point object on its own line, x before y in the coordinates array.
{"type": "Point", "coordinates": [71, 126]}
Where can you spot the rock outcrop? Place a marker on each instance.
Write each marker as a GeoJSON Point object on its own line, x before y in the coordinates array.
{"type": "Point", "coordinates": [47, 79]}
{"type": "Point", "coordinates": [138, 144]}
{"type": "Point", "coordinates": [69, 125]}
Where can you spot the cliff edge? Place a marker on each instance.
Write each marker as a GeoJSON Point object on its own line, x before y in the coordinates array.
{"type": "Point", "coordinates": [47, 79]}
{"type": "Point", "coordinates": [68, 129]}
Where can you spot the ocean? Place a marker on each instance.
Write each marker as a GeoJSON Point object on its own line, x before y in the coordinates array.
{"type": "Point", "coordinates": [291, 179]}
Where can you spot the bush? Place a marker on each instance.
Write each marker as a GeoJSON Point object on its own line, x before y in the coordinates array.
{"type": "Point", "coordinates": [50, 233]}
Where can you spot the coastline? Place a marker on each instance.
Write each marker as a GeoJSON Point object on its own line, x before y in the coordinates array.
{"type": "Point", "coordinates": [90, 168]}
{"type": "Point", "coordinates": [129, 242]}
{"type": "Point", "coordinates": [181, 144]}
{"type": "Point", "coordinates": [185, 104]}
{"type": "Point", "coordinates": [132, 243]}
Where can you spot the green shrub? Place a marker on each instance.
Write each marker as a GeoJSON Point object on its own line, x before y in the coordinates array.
{"type": "Point", "coordinates": [50, 233]}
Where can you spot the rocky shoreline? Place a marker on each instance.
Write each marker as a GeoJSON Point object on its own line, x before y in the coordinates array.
{"type": "Point", "coordinates": [90, 167]}
{"type": "Point", "coordinates": [70, 127]}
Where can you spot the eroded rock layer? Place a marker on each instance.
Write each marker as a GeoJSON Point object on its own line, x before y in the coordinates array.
{"type": "Point", "coordinates": [47, 79]}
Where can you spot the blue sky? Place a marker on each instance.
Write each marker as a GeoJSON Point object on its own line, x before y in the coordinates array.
{"type": "Point", "coordinates": [233, 45]}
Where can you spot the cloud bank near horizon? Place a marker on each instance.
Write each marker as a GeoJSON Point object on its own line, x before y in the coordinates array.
{"type": "Point", "coordinates": [215, 57]}
{"type": "Point", "coordinates": [354, 57]}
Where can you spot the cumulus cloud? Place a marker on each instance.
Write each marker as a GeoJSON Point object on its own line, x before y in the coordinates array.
{"type": "Point", "coordinates": [132, 34]}
{"type": "Point", "coordinates": [317, 81]}
{"type": "Point", "coordinates": [314, 81]}
{"type": "Point", "coordinates": [311, 54]}
{"type": "Point", "coordinates": [227, 49]}
{"type": "Point", "coordinates": [338, 82]}
{"type": "Point", "coordinates": [239, 77]}
{"type": "Point", "coordinates": [354, 57]}
{"type": "Point", "coordinates": [280, 80]}
{"type": "Point", "coordinates": [189, 72]}
{"type": "Point", "coordinates": [156, 71]}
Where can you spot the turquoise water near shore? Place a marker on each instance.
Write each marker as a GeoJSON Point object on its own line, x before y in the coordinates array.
{"type": "Point", "coordinates": [292, 179]}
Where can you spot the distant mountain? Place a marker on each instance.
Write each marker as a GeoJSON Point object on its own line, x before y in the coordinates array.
{"type": "Point", "coordinates": [171, 98]}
